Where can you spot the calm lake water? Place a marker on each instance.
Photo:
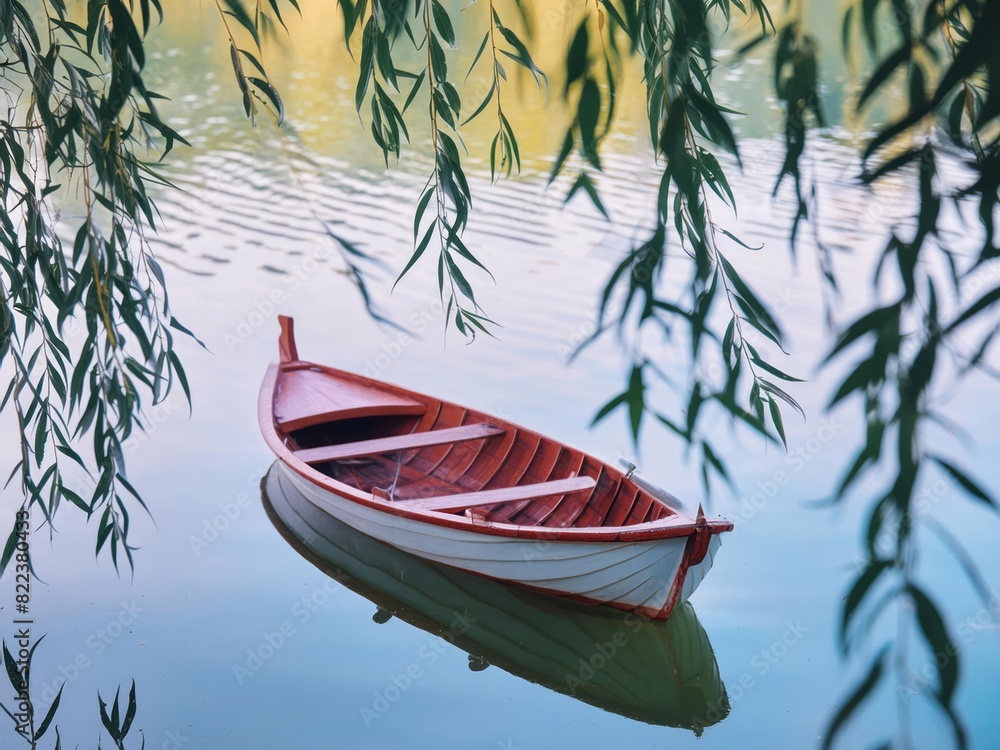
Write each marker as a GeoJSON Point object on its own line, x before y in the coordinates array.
{"type": "Point", "coordinates": [236, 639]}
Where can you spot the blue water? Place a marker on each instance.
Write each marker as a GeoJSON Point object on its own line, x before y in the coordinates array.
{"type": "Point", "coordinates": [215, 583]}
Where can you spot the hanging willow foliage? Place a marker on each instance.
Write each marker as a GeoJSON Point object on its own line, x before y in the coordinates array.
{"type": "Point", "coordinates": [86, 328]}
{"type": "Point", "coordinates": [674, 42]}
{"type": "Point", "coordinates": [117, 722]}
{"type": "Point", "coordinates": [88, 120]}
{"type": "Point", "coordinates": [87, 332]}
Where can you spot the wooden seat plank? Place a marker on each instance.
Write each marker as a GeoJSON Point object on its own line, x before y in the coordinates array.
{"type": "Point", "coordinates": [464, 500]}
{"type": "Point", "coordinates": [398, 443]}
{"type": "Point", "coordinates": [309, 396]}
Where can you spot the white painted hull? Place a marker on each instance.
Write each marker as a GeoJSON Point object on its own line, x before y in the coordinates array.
{"type": "Point", "coordinates": [644, 576]}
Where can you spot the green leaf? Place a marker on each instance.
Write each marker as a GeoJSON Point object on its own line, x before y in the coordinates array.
{"type": "Point", "coordinates": [9, 548]}
{"type": "Point", "coordinates": [443, 22]}
{"type": "Point", "coordinates": [866, 372]}
{"type": "Point", "coordinates": [609, 407]}
{"type": "Point", "coordinates": [456, 274]}
{"type": "Point", "coordinates": [130, 711]}
{"type": "Point", "coordinates": [367, 70]}
{"type": "Point", "coordinates": [962, 556]}
{"type": "Point", "coordinates": [767, 367]}
{"type": "Point", "coordinates": [174, 323]}
{"type": "Point", "coordinates": [736, 239]}
{"type": "Point", "coordinates": [845, 30]}
{"type": "Point", "coordinates": [237, 11]}
{"type": "Point", "coordinates": [413, 91]}
{"type": "Point", "coordinates": [859, 591]}
{"type": "Point", "coordinates": [751, 299]}
{"type": "Point", "coordinates": [521, 56]}
{"type": "Point", "coordinates": [987, 300]}
{"type": "Point", "coordinates": [271, 94]}
{"type": "Point", "coordinates": [774, 390]}
{"type": "Point", "coordinates": [111, 727]}
{"type": "Point", "coordinates": [74, 498]}
{"type": "Point", "coordinates": [584, 182]}
{"type": "Point", "coordinates": [636, 401]}
{"type": "Point", "coordinates": [967, 484]}
{"type": "Point", "coordinates": [439, 64]}
{"type": "Point", "coordinates": [716, 463]}
{"type": "Point", "coordinates": [418, 215]}
{"type": "Point", "coordinates": [479, 53]}
{"type": "Point", "coordinates": [481, 107]}
{"type": "Point", "coordinates": [49, 715]}
{"type": "Point", "coordinates": [867, 323]}
{"type": "Point", "coordinates": [721, 131]}
{"type": "Point", "coordinates": [181, 375]}
{"type": "Point", "coordinates": [564, 152]}
{"type": "Point", "coordinates": [421, 246]}
{"type": "Point", "coordinates": [945, 654]}
{"type": "Point", "coordinates": [772, 406]}
{"type": "Point", "coordinates": [577, 57]}
{"type": "Point", "coordinates": [885, 69]}
{"type": "Point", "coordinates": [744, 49]}
{"type": "Point", "coordinates": [588, 114]}
{"type": "Point", "coordinates": [383, 58]}
{"type": "Point", "coordinates": [855, 699]}
{"type": "Point", "coordinates": [15, 677]}
{"type": "Point", "coordinates": [455, 241]}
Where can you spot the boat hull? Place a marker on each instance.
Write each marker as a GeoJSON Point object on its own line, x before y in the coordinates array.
{"type": "Point", "coordinates": [647, 577]}
{"type": "Point", "coordinates": [662, 673]}
{"type": "Point", "coordinates": [478, 493]}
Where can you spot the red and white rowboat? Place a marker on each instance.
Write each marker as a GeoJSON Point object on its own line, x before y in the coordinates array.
{"type": "Point", "coordinates": [656, 672]}
{"type": "Point", "coordinates": [478, 493]}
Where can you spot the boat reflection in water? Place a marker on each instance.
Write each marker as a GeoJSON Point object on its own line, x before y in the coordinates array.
{"type": "Point", "coordinates": [661, 673]}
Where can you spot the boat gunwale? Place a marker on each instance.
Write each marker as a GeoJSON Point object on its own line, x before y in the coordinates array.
{"type": "Point", "coordinates": [677, 525]}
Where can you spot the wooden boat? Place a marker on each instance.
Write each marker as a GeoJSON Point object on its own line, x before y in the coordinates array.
{"type": "Point", "coordinates": [662, 673]}
{"type": "Point", "coordinates": [479, 493]}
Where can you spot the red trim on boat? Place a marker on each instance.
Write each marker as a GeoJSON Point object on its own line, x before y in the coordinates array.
{"type": "Point", "coordinates": [667, 528]}
{"type": "Point", "coordinates": [286, 341]}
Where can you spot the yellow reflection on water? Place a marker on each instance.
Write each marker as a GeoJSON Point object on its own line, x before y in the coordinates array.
{"type": "Point", "coordinates": [316, 75]}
